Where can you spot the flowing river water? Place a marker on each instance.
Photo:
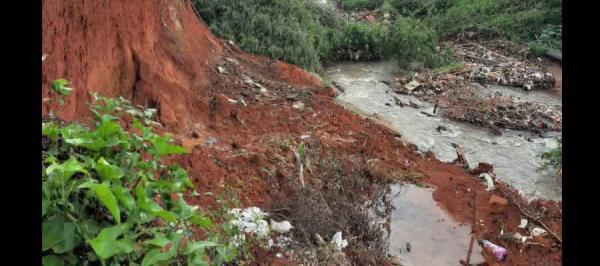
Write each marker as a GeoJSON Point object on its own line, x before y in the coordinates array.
{"type": "Point", "coordinates": [435, 238]}
{"type": "Point", "coordinates": [516, 155]}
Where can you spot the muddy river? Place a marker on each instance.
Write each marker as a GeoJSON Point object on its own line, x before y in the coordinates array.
{"type": "Point", "coordinates": [515, 154]}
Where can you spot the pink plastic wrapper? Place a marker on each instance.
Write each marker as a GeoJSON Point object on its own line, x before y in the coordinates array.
{"type": "Point", "coordinates": [498, 251]}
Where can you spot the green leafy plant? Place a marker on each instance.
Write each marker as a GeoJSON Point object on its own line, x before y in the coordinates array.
{"type": "Point", "coordinates": [553, 158]}
{"type": "Point", "coordinates": [412, 41]}
{"type": "Point", "coordinates": [549, 39]}
{"type": "Point", "coordinates": [59, 86]}
{"type": "Point", "coordinates": [106, 196]}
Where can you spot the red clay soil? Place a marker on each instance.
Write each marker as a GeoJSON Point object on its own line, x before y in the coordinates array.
{"type": "Point", "coordinates": [159, 54]}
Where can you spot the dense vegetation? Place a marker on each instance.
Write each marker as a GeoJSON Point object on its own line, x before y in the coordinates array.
{"type": "Point", "coordinates": [360, 4]}
{"type": "Point", "coordinates": [300, 32]}
{"type": "Point", "coordinates": [107, 198]}
{"type": "Point", "coordinates": [280, 29]}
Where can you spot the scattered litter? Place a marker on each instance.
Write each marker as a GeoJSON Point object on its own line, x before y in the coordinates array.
{"type": "Point", "coordinates": [43, 57]}
{"type": "Point", "coordinates": [280, 227]}
{"type": "Point", "coordinates": [221, 69]}
{"type": "Point", "coordinates": [498, 251]}
{"type": "Point", "coordinates": [231, 60]}
{"type": "Point", "coordinates": [488, 180]}
{"type": "Point", "coordinates": [210, 141]}
{"type": "Point", "coordinates": [523, 224]}
{"type": "Point", "coordinates": [515, 237]}
{"type": "Point", "coordinates": [249, 220]}
{"type": "Point", "coordinates": [231, 100]}
{"type": "Point", "coordinates": [338, 241]}
{"type": "Point", "coordinates": [298, 105]}
{"type": "Point", "coordinates": [249, 81]}
{"type": "Point", "coordinates": [279, 255]}
{"type": "Point", "coordinates": [305, 136]}
{"type": "Point", "coordinates": [535, 232]}
{"type": "Point", "coordinates": [412, 85]}
{"type": "Point", "coordinates": [243, 102]}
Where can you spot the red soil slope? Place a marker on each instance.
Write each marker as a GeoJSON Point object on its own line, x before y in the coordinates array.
{"type": "Point", "coordinates": [159, 54]}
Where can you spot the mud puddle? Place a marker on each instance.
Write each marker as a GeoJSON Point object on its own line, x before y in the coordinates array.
{"type": "Point", "coordinates": [421, 233]}
{"type": "Point", "coordinates": [515, 154]}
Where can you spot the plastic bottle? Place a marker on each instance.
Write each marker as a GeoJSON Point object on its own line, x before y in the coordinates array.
{"type": "Point", "coordinates": [498, 251]}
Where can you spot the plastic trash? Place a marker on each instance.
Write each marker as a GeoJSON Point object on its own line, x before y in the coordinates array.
{"type": "Point", "coordinates": [281, 227]}
{"type": "Point", "coordinates": [488, 180]}
{"type": "Point", "coordinates": [523, 223]}
{"type": "Point", "coordinates": [498, 251]}
{"type": "Point", "coordinates": [338, 241]}
{"type": "Point", "coordinates": [538, 232]}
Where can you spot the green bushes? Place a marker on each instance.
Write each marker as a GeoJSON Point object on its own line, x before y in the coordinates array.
{"type": "Point", "coordinates": [105, 189]}
{"type": "Point", "coordinates": [412, 41]}
{"type": "Point", "coordinates": [360, 4]}
{"type": "Point", "coordinates": [281, 29]}
{"type": "Point", "coordinates": [549, 39]}
{"type": "Point", "coordinates": [372, 37]}
{"type": "Point", "coordinates": [520, 20]}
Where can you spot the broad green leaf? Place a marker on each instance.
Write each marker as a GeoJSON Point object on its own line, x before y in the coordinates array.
{"type": "Point", "coordinates": [72, 131]}
{"type": "Point", "coordinates": [124, 196]}
{"type": "Point", "coordinates": [50, 130]}
{"type": "Point", "coordinates": [70, 239]}
{"type": "Point", "coordinates": [60, 86]}
{"type": "Point", "coordinates": [52, 260]}
{"type": "Point", "coordinates": [159, 241]}
{"type": "Point", "coordinates": [198, 245]}
{"type": "Point", "coordinates": [89, 227]}
{"type": "Point", "coordinates": [106, 244]}
{"type": "Point", "coordinates": [107, 170]}
{"type": "Point", "coordinates": [66, 170]}
{"type": "Point", "coordinates": [45, 205]}
{"type": "Point", "coordinates": [198, 259]}
{"type": "Point", "coordinates": [106, 197]}
{"type": "Point", "coordinates": [184, 209]}
{"type": "Point", "coordinates": [109, 200]}
{"type": "Point", "coordinates": [150, 206]}
{"type": "Point", "coordinates": [156, 256]}
{"type": "Point", "coordinates": [161, 146]}
{"type": "Point", "coordinates": [107, 128]}
{"type": "Point", "coordinates": [201, 221]}
{"type": "Point", "coordinates": [53, 232]}
{"type": "Point", "coordinates": [59, 235]}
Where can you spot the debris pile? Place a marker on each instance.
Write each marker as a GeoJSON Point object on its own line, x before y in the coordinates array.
{"type": "Point", "coordinates": [492, 67]}
{"type": "Point", "coordinates": [499, 112]}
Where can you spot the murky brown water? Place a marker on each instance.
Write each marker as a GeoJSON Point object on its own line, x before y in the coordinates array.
{"type": "Point", "coordinates": [434, 237]}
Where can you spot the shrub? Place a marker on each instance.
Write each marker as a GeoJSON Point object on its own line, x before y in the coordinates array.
{"type": "Point", "coordinates": [349, 5]}
{"type": "Point", "coordinates": [106, 196]}
{"type": "Point", "coordinates": [549, 39]}
{"type": "Point", "coordinates": [412, 41]}
{"type": "Point", "coordinates": [520, 20]}
{"type": "Point", "coordinates": [287, 30]}
{"type": "Point", "coordinates": [373, 37]}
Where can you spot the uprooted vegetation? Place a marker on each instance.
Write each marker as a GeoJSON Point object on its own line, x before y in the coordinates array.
{"type": "Point", "coordinates": [340, 198]}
